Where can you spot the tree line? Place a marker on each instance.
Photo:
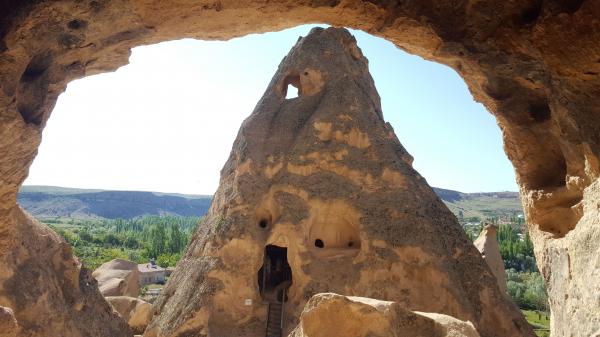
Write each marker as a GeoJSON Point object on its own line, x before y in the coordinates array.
{"type": "Point", "coordinates": [163, 238]}
{"type": "Point", "coordinates": [524, 282]}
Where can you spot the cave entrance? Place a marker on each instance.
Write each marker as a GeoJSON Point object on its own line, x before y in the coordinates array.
{"type": "Point", "coordinates": [275, 275]}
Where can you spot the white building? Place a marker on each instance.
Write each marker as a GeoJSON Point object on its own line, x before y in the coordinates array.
{"type": "Point", "coordinates": [151, 273]}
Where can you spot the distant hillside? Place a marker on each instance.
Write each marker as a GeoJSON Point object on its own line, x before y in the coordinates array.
{"type": "Point", "coordinates": [481, 205]}
{"type": "Point", "coordinates": [60, 202]}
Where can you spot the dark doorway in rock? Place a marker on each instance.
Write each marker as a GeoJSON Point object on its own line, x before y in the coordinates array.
{"type": "Point", "coordinates": [275, 275]}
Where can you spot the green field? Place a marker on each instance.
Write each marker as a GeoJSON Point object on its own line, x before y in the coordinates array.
{"type": "Point", "coordinates": [539, 321]}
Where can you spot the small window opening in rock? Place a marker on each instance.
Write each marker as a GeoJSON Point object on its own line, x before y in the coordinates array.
{"type": "Point", "coordinates": [351, 243]}
{"type": "Point", "coordinates": [292, 92]}
{"type": "Point", "coordinates": [319, 243]}
{"type": "Point", "coordinates": [263, 223]}
{"type": "Point", "coordinates": [291, 86]}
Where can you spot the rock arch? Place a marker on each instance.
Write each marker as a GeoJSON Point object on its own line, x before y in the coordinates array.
{"type": "Point", "coordinates": [534, 64]}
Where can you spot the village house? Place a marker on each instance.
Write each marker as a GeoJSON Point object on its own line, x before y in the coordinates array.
{"type": "Point", "coordinates": [151, 273]}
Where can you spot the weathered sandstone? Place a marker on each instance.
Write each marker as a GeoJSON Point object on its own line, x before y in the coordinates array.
{"type": "Point", "coordinates": [487, 244]}
{"type": "Point", "coordinates": [534, 64]}
{"type": "Point", "coordinates": [118, 277]}
{"type": "Point", "coordinates": [136, 312]}
{"type": "Point", "coordinates": [47, 289]}
{"type": "Point", "coordinates": [332, 315]}
{"type": "Point", "coordinates": [320, 185]}
{"type": "Point", "coordinates": [8, 323]}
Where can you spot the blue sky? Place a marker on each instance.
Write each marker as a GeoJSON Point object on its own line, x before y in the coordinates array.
{"type": "Point", "coordinates": [166, 121]}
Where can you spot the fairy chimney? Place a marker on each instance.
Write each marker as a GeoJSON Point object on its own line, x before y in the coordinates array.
{"type": "Point", "coordinates": [318, 195]}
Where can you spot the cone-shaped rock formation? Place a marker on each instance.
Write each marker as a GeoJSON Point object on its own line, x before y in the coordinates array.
{"type": "Point", "coordinates": [318, 195]}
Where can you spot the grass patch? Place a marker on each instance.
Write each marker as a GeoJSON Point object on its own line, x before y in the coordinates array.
{"type": "Point", "coordinates": [539, 321]}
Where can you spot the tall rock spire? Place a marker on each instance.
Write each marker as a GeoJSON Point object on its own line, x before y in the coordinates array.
{"type": "Point", "coordinates": [318, 195]}
{"type": "Point", "coordinates": [487, 244]}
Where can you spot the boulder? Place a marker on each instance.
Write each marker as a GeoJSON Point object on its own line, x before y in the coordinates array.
{"type": "Point", "coordinates": [333, 315]}
{"type": "Point", "coordinates": [136, 312]}
{"type": "Point", "coordinates": [118, 277]}
{"type": "Point", "coordinates": [487, 244]}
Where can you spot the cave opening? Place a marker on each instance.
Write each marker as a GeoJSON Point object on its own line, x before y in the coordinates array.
{"type": "Point", "coordinates": [408, 26]}
{"type": "Point", "coordinates": [330, 231]}
{"type": "Point", "coordinates": [275, 275]}
{"type": "Point", "coordinates": [271, 254]}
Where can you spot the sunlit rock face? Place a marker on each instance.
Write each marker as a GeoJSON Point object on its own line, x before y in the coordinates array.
{"type": "Point", "coordinates": [47, 290]}
{"type": "Point", "coordinates": [323, 181]}
{"type": "Point", "coordinates": [118, 277]}
{"type": "Point", "coordinates": [333, 315]}
{"type": "Point", "coordinates": [136, 312]}
{"type": "Point", "coordinates": [487, 244]}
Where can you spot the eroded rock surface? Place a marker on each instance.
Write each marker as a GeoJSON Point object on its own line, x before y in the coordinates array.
{"type": "Point", "coordinates": [118, 277]}
{"type": "Point", "coordinates": [333, 315]}
{"type": "Point", "coordinates": [47, 289]}
{"type": "Point", "coordinates": [533, 64]}
{"type": "Point", "coordinates": [136, 312]}
{"type": "Point", "coordinates": [487, 244]}
{"type": "Point", "coordinates": [8, 324]}
{"type": "Point", "coordinates": [320, 185]}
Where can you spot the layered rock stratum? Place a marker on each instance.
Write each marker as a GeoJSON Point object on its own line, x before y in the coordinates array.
{"type": "Point", "coordinates": [321, 185]}
{"type": "Point", "coordinates": [533, 64]}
